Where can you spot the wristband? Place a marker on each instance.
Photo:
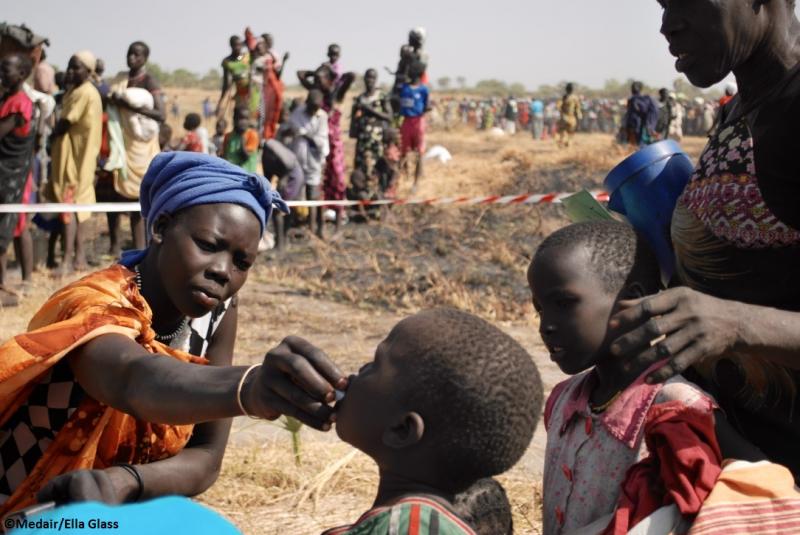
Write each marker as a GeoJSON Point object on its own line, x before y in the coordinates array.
{"type": "Point", "coordinates": [239, 391]}
{"type": "Point", "coordinates": [135, 473]}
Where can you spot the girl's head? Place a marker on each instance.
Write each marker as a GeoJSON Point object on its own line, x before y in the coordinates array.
{"type": "Point", "coordinates": [192, 122]}
{"type": "Point", "coordinates": [138, 54]}
{"type": "Point", "coordinates": [577, 277]}
{"type": "Point", "coordinates": [370, 79]}
{"type": "Point", "coordinates": [14, 69]}
{"type": "Point", "coordinates": [79, 68]}
{"type": "Point", "coordinates": [205, 217]}
{"type": "Point", "coordinates": [334, 53]}
{"type": "Point", "coordinates": [416, 37]}
{"type": "Point", "coordinates": [236, 44]}
{"type": "Point", "coordinates": [241, 119]}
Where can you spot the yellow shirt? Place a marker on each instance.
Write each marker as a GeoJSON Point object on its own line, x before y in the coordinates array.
{"type": "Point", "coordinates": [75, 153]}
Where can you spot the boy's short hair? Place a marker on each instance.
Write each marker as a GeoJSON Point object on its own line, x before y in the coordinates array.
{"type": "Point", "coordinates": [486, 508]}
{"type": "Point", "coordinates": [478, 391]}
{"type": "Point", "coordinates": [24, 64]}
{"type": "Point", "coordinates": [145, 48]}
{"type": "Point", "coordinates": [416, 69]}
{"type": "Point", "coordinates": [617, 254]}
{"type": "Point", "coordinates": [192, 121]}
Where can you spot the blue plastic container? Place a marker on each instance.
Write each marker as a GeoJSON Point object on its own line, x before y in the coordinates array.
{"type": "Point", "coordinates": [645, 188]}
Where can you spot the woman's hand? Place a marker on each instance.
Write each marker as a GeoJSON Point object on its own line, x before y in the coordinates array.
{"type": "Point", "coordinates": [694, 326]}
{"type": "Point", "coordinates": [113, 485]}
{"type": "Point", "coordinates": [296, 379]}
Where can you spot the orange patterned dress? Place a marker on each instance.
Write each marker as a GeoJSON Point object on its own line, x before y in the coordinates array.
{"type": "Point", "coordinates": [91, 434]}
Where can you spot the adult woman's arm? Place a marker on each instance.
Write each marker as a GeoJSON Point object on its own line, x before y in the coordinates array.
{"type": "Point", "coordinates": [306, 79]}
{"type": "Point", "coordinates": [697, 326]}
{"type": "Point", "coordinates": [226, 81]}
{"type": "Point", "coordinates": [198, 464]}
{"type": "Point", "coordinates": [8, 123]}
{"type": "Point", "coordinates": [296, 379]}
{"type": "Point", "coordinates": [279, 72]}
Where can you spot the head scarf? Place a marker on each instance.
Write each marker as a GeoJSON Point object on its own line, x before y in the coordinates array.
{"type": "Point", "coordinates": [88, 59]}
{"type": "Point", "coordinates": [178, 180]}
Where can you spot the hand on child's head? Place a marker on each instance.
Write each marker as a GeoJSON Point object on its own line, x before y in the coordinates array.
{"type": "Point", "coordinates": [577, 277]}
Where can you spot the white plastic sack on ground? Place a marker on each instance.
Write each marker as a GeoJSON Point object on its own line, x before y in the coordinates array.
{"type": "Point", "coordinates": [437, 152]}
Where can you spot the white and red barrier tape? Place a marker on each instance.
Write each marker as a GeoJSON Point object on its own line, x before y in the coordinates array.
{"type": "Point", "coordinates": [103, 207]}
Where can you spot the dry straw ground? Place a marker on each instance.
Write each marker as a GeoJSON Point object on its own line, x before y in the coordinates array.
{"type": "Point", "coordinates": [345, 295]}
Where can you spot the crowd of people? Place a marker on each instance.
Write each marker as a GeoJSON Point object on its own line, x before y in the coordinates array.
{"type": "Point", "coordinates": [672, 115]}
{"type": "Point", "coordinates": [87, 140]}
{"type": "Point", "coordinates": [680, 410]}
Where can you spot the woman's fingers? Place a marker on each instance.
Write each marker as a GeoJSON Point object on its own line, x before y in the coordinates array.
{"type": "Point", "coordinates": [637, 311]}
{"type": "Point", "coordinates": [287, 409]}
{"type": "Point", "coordinates": [667, 348]}
{"type": "Point", "coordinates": [678, 364]}
{"type": "Point", "coordinates": [306, 365]}
{"type": "Point", "coordinates": [641, 337]}
{"type": "Point", "coordinates": [300, 400]}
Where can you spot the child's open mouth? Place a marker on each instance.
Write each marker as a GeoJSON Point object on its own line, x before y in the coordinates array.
{"type": "Point", "coordinates": [556, 352]}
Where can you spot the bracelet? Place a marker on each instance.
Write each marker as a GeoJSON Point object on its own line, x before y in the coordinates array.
{"type": "Point", "coordinates": [135, 473]}
{"type": "Point", "coordinates": [239, 391]}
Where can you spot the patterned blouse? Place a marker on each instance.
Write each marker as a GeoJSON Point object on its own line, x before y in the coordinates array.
{"type": "Point", "coordinates": [588, 454]}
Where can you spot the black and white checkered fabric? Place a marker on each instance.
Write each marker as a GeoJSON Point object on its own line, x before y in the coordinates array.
{"type": "Point", "coordinates": [29, 432]}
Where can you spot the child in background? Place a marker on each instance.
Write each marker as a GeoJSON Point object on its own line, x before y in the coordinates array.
{"type": "Point", "coordinates": [606, 418]}
{"type": "Point", "coordinates": [17, 137]}
{"type": "Point", "coordinates": [387, 168]}
{"type": "Point", "coordinates": [486, 508]}
{"type": "Point", "coordinates": [165, 137]}
{"type": "Point", "coordinates": [308, 125]}
{"type": "Point", "coordinates": [241, 146]}
{"type": "Point", "coordinates": [218, 139]}
{"type": "Point", "coordinates": [191, 142]}
{"type": "Point", "coordinates": [448, 400]}
{"type": "Point", "coordinates": [413, 107]}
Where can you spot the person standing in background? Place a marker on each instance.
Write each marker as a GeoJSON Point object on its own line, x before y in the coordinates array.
{"type": "Point", "coordinates": [76, 143]}
{"type": "Point", "coordinates": [139, 152]}
{"type": "Point", "coordinates": [16, 151]}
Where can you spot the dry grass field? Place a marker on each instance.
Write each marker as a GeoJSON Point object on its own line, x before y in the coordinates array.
{"type": "Point", "coordinates": [345, 295]}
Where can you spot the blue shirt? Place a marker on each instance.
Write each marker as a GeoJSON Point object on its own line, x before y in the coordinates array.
{"type": "Point", "coordinates": [537, 108]}
{"type": "Point", "coordinates": [413, 100]}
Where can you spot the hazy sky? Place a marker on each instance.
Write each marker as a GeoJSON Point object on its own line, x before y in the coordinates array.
{"type": "Point", "coordinates": [528, 41]}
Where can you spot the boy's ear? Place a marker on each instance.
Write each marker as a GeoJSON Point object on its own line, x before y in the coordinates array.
{"type": "Point", "coordinates": [160, 227]}
{"type": "Point", "coordinates": [633, 291]}
{"type": "Point", "coordinates": [404, 431]}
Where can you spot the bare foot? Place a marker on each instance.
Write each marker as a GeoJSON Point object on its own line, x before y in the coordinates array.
{"type": "Point", "coordinates": [8, 298]}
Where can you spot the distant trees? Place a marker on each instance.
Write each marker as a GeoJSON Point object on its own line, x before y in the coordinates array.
{"type": "Point", "coordinates": [462, 82]}
{"type": "Point", "coordinates": [185, 78]}
{"type": "Point", "coordinates": [443, 83]}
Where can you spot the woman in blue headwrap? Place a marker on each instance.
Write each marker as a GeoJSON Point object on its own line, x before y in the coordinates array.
{"type": "Point", "coordinates": [104, 390]}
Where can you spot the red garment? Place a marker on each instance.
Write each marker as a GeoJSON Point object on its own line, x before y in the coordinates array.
{"type": "Point", "coordinates": [412, 135]}
{"type": "Point", "coordinates": [725, 99]}
{"type": "Point", "coordinates": [105, 145]}
{"type": "Point", "coordinates": [22, 219]}
{"type": "Point", "coordinates": [684, 464]}
{"type": "Point", "coordinates": [18, 103]}
{"type": "Point", "coordinates": [191, 142]}
{"type": "Point", "coordinates": [273, 97]}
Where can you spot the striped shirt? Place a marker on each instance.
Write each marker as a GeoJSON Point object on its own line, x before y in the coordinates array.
{"type": "Point", "coordinates": [408, 516]}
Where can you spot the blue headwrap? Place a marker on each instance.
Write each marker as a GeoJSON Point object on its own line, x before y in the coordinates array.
{"type": "Point", "coordinates": [177, 180]}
